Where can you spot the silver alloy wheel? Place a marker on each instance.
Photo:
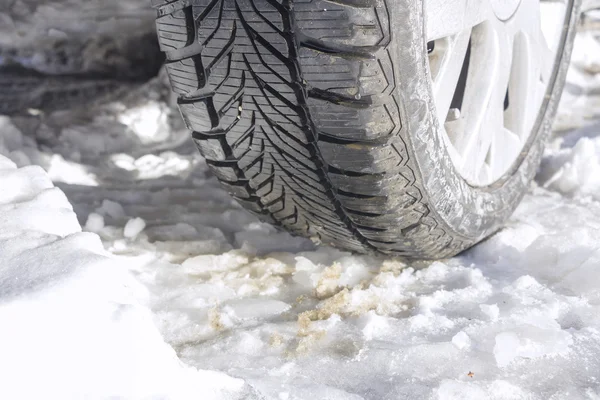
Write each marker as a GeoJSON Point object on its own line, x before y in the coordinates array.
{"type": "Point", "coordinates": [491, 63]}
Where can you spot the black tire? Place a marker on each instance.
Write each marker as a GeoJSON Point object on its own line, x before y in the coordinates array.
{"type": "Point", "coordinates": [317, 116]}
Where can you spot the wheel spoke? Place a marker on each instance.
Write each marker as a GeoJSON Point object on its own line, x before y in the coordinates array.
{"type": "Point", "coordinates": [483, 73]}
{"type": "Point", "coordinates": [450, 17]}
{"type": "Point", "coordinates": [487, 111]}
{"type": "Point", "coordinates": [485, 173]}
{"type": "Point", "coordinates": [553, 12]}
{"type": "Point", "coordinates": [503, 151]}
{"type": "Point", "coordinates": [522, 88]}
{"type": "Point", "coordinates": [547, 57]}
{"type": "Point", "coordinates": [474, 155]}
{"type": "Point", "coordinates": [450, 66]}
{"type": "Point", "coordinates": [546, 38]}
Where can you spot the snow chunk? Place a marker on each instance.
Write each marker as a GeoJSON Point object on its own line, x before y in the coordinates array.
{"type": "Point", "coordinates": [152, 166]}
{"type": "Point", "coordinates": [134, 227]}
{"type": "Point", "coordinates": [212, 263]}
{"type": "Point", "coordinates": [61, 170]}
{"type": "Point", "coordinates": [304, 264]}
{"type": "Point", "coordinates": [124, 161]}
{"type": "Point", "coordinates": [490, 310]}
{"type": "Point", "coordinates": [256, 308]}
{"type": "Point", "coordinates": [576, 169]}
{"type": "Point", "coordinates": [372, 325]}
{"type": "Point", "coordinates": [353, 271]}
{"type": "Point", "coordinates": [506, 348]}
{"type": "Point", "coordinates": [111, 208]}
{"type": "Point", "coordinates": [94, 223]}
{"type": "Point", "coordinates": [148, 122]}
{"type": "Point", "coordinates": [305, 272]}
{"type": "Point", "coordinates": [461, 340]}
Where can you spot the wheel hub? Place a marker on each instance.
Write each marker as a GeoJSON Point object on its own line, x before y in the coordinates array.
{"type": "Point", "coordinates": [504, 9]}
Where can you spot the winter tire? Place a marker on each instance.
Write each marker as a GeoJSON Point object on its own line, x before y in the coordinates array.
{"type": "Point", "coordinates": [403, 127]}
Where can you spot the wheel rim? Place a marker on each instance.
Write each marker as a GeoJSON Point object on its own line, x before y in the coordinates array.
{"type": "Point", "coordinates": [491, 64]}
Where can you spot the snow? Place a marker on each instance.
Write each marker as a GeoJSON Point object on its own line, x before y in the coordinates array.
{"type": "Point", "coordinates": [461, 340]}
{"type": "Point", "coordinates": [172, 291]}
{"type": "Point", "coordinates": [74, 321]}
{"type": "Point", "coordinates": [576, 170]}
{"type": "Point", "coordinates": [74, 36]}
{"type": "Point", "coordinates": [134, 227]}
{"type": "Point", "coordinates": [94, 223]}
{"type": "Point", "coordinates": [506, 348]}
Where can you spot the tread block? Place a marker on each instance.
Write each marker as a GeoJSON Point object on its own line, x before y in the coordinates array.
{"type": "Point", "coordinates": [347, 76]}
{"type": "Point", "coordinates": [224, 173]}
{"type": "Point", "coordinates": [211, 149]}
{"type": "Point", "coordinates": [186, 76]}
{"type": "Point", "coordinates": [176, 30]}
{"type": "Point", "coordinates": [361, 157]}
{"type": "Point", "coordinates": [196, 116]}
{"type": "Point", "coordinates": [353, 27]}
{"type": "Point", "coordinates": [238, 191]}
{"type": "Point", "coordinates": [352, 124]}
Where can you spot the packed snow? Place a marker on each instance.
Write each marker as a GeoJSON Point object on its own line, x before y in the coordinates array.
{"type": "Point", "coordinates": [172, 291]}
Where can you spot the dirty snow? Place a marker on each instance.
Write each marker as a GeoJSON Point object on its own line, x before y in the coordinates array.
{"type": "Point", "coordinates": [173, 291]}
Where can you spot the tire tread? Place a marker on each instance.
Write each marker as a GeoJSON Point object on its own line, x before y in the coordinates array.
{"type": "Point", "coordinates": [296, 111]}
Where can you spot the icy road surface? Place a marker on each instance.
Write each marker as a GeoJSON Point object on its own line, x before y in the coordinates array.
{"type": "Point", "coordinates": [174, 292]}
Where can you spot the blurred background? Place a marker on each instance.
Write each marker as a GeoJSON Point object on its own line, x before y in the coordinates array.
{"type": "Point", "coordinates": [57, 54]}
